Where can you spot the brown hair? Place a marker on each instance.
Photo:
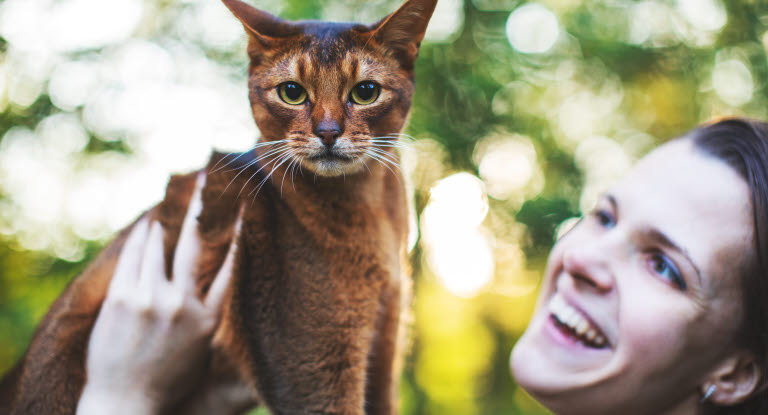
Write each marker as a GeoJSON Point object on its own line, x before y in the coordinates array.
{"type": "Point", "coordinates": [743, 145]}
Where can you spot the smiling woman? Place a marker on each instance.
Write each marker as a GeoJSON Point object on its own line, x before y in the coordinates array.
{"type": "Point", "coordinates": [655, 301]}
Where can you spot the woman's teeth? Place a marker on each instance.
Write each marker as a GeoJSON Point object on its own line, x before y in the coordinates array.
{"type": "Point", "coordinates": [579, 326]}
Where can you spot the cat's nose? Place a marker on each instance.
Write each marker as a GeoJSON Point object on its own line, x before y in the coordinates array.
{"type": "Point", "coordinates": [328, 133]}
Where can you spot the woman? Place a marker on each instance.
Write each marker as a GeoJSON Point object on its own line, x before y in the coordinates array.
{"type": "Point", "coordinates": [652, 304]}
{"type": "Point", "coordinates": [655, 303]}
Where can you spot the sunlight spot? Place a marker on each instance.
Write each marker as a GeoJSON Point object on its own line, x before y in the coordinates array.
{"type": "Point", "coordinates": [447, 21]}
{"type": "Point", "coordinates": [651, 23]}
{"type": "Point", "coordinates": [3, 85]}
{"type": "Point", "coordinates": [532, 28]}
{"type": "Point", "coordinates": [733, 82]}
{"type": "Point", "coordinates": [62, 134]}
{"type": "Point", "coordinates": [507, 164]}
{"type": "Point", "coordinates": [130, 62]}
{"type": "Point", "coordinates": [603, 162]}
{"type": "Point", "coordinates": [708, 15]}
{"type": "Point", "coordinates": [45, 25]}
{"type": "Point", "coordinates": [584, 113]}
{"type": "Point", "coordinates": [87, 24]}
{"type": "Point", "coordinates": [23, 90]}
{"type": "Point", "coordinates": [71, 83]}
{"type": "Point", "coordinates": [458, 250]}
{"type": "Point", "coordinates": [215, 25]}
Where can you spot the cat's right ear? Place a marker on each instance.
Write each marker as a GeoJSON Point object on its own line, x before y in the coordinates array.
{"type": "Point", "coordinates": [266, 29]}
{"type": "Point", "coordinates": [403, 30]}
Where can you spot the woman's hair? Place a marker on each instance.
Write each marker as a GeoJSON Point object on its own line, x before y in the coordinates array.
{"type": "Point", "coordinates": [743, 145]}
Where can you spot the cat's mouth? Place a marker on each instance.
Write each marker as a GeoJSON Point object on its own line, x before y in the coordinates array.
{"type": "Point", "coordinates": [331, 156]}
{"type": "Point", "coordinates": [331, 163]}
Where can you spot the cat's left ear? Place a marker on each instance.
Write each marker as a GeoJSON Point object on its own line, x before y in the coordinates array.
{"type": "Point", "coordinates": [266, 29]}
{"type": "Point", "coordinates": [403, 30]}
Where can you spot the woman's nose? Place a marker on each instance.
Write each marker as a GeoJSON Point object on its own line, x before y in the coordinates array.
{"type": "Point", "coordinates": [589, 265]}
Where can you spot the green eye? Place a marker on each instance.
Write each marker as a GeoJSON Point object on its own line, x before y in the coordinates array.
{"type": "Point", "coordinates": [292, 93]}
{"type": "Point", "coordinates": [365, 92]}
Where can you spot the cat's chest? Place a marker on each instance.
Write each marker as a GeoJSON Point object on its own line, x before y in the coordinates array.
{"type": "Point", "coordinates": [339, 244]}
{"type": "Point", "coordinates": [346, 232]}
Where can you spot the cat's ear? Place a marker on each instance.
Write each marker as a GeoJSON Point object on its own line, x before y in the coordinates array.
{"type": "Point", "coordinates": [260, 25]}
{"type": "Point", "coordinates": [404, 29]}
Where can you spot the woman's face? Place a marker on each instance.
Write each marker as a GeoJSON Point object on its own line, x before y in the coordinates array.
{"type": "Point", "coordinates": [641, 299]}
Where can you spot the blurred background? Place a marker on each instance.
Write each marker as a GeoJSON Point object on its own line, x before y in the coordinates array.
{"type": "Point", "coordinates": [523, 113]}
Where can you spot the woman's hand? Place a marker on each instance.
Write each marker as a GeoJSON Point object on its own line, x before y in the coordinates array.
{"type": "Point", "coordinates": [150, 342]}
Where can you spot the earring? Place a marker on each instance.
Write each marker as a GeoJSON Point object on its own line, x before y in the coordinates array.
{"type": "Point", "coordinates": [708, 393]}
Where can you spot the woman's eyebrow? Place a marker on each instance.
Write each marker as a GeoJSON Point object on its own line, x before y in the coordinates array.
{"type": "Point", "coordinates": [659, 237]}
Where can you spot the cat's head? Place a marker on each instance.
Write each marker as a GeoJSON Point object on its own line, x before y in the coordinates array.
{"type": "Point", "coordinates": [337, 93]}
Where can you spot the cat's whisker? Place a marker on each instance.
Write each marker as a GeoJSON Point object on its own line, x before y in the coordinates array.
{"type": "Point", "coordinates": [289, 168]}
{"type": "Point", "coordinates": [276, 156]}
{"type": "Point", "coordinates": [388, 158]}
{"type": "Point", "coordinates": [366, 166]}
{"type": "Point", "coordinates": [375, 158]}
{"type": "Point", "coordinates": [244, 168]}
{"type": "Point", "coordinates": [385, 142]}
{"type": "Point", "coordinates": [214, 169]}
{"type": "Point", "coordinates": [391, 143]}
{"type": "Point", "coordinates": [266, 143]}
{"type": "Point", "coordinates": [293, 170]}
{"type": "Point", "coordinates": [404, 135]}
{"type": "Point", "coordinates": [278, 162]}
{"type": "Point", "coordinates": [399, 136]}
{"type": "Point", "coordinates": [252, 162]}
{"type": "Point", "coordinates": [385, 154]}
{"type": "Point", "coordinates": [385, 145]}
{"type": "Point", "coordinates": [392, 138]}
{"type": "Point", "coordinates": [295, 166]}
{"type": "Point", "coordinates": [383, 162]}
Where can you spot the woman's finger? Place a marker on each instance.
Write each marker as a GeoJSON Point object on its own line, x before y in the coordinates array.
{"type": "Point", "coordinates": [153, 263]}
{"type": "Point", "coordinates": [219, 286]}
{"type": "Point", "coordinates": [129, 262]}
{"type": "Point", "coordinates": [188, 248]}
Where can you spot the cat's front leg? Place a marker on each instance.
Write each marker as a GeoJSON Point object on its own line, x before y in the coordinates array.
{"type": "Point", "coordinates": [384, 363]}
{"type": "Point", "coordinates": [326, 375]}
{"type": "Point", "coordinates": [308, 348]}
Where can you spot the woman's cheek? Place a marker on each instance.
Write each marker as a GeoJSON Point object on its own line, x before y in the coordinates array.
{"type": "Point", "coordinates": [657, 324]}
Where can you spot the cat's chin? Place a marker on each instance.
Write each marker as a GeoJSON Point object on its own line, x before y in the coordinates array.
{"type": "Point", "coordinates": [333, 167]}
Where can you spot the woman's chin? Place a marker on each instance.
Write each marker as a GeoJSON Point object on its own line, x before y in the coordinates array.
{"type": "Point", "coordinates": [549, 365]}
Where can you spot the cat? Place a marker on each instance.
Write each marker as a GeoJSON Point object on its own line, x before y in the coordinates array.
{"type": "Point", "coordinates": [313, 320]}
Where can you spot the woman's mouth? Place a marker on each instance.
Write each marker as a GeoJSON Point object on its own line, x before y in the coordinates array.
{"type": "Point", "coordinates": [574, 324]}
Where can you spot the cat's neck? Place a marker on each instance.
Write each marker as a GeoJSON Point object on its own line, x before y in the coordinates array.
{"type": "Point", "coordinates": [366, 202]}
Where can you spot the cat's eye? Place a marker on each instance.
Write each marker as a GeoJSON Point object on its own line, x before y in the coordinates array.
{"type": "Point", "coordinates": [292, 93]}
{"type": "Point", "coordinates": [365, 93]}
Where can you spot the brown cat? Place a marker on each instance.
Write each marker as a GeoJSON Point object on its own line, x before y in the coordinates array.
{"type": "Point", "coordinates": [314, 312]}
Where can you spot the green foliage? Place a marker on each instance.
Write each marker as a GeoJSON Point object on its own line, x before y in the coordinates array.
{"type": "Point", "coordinates": [542, 216]}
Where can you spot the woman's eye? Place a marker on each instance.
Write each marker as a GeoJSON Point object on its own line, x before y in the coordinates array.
{"type": "Point", "coordinates": [365, 93]}
{"type": "Point", "coordinates": [605, 218]}
{"type": "Point", "coordinates": [292, 93]}
{"type": "Point", "coordinates": [665, 268]}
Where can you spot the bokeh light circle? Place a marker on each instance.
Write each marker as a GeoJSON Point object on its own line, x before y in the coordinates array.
{"type": "Point", "coordinates": [532, 28]}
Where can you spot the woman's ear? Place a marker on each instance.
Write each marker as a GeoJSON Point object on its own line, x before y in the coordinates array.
{"type": "Point", "coordinates": [737, 378]}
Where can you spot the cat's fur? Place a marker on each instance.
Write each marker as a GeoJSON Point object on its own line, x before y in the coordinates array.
{"type": "Point", "coordinates": [314, 313]}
